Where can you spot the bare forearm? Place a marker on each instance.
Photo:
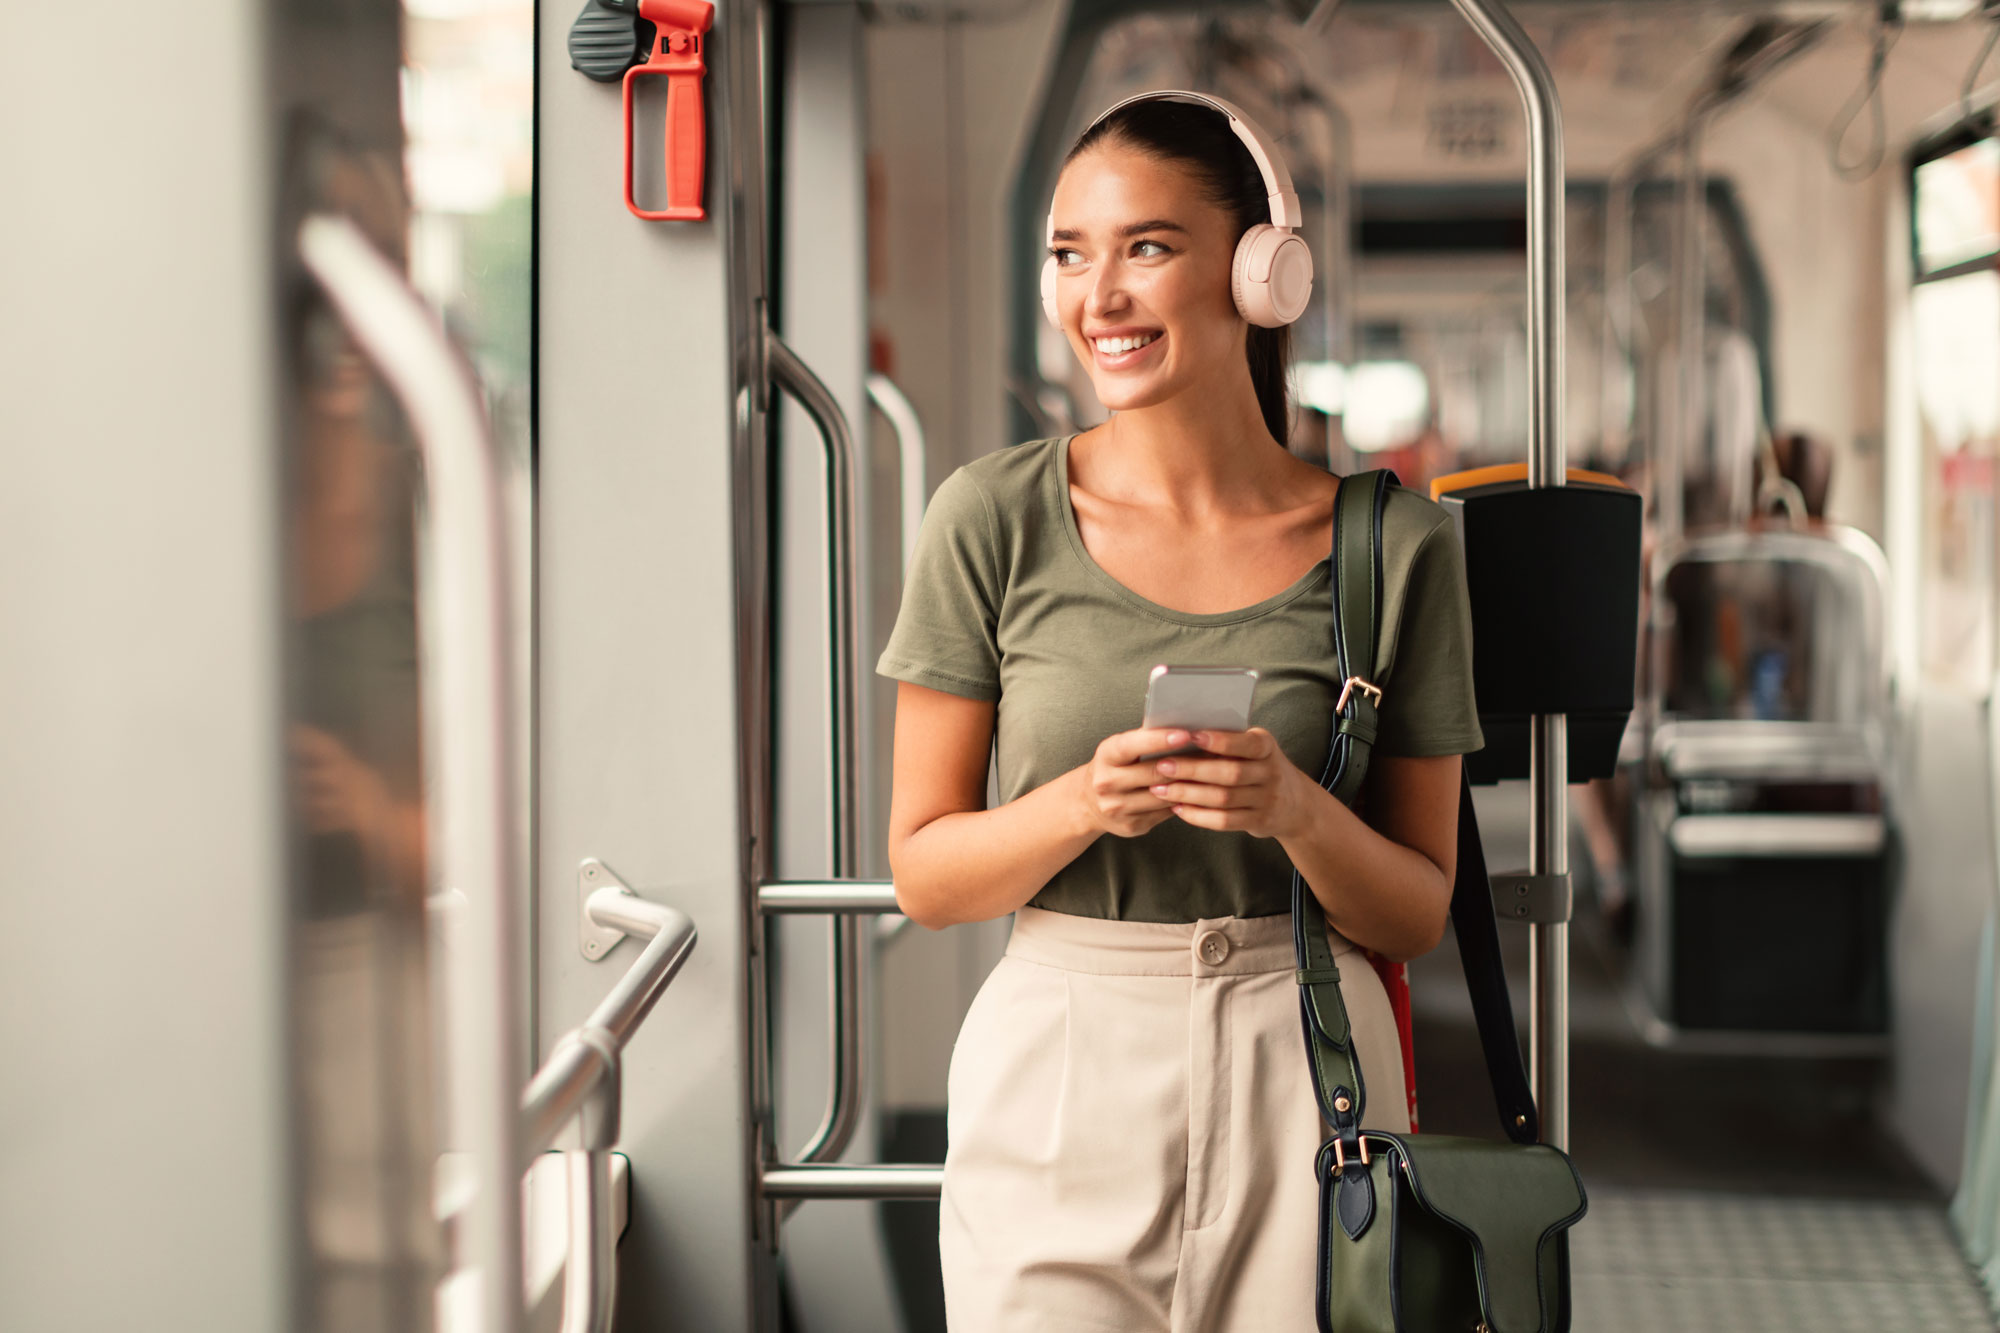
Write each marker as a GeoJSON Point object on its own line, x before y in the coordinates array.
{"type": "Point", "coordinates": [975, 865]}
{"type": "Point", "coordinates": [1377, 892]}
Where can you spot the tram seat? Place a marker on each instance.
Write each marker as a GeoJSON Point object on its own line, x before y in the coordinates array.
{"type": "Point", "coordinates": [1763, 834]}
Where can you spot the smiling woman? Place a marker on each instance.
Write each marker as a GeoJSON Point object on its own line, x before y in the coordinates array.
{"type": "Point", "coordinates": [1135, 1055]}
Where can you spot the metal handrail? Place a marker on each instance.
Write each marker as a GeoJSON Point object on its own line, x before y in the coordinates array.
{"type": "Point", "coordinates": [837, 1181]}
{"type": "Point", "coordinates": [827, 897]}
{"type": "Point", "coordinates": [798, 1181]}
{"type": "Point", "coordinates": [590, 1278]}
{"type": "Point", "coordinates": [901, 415]}
{"type": "Point", "coordinates": [583, 1059]}
{"type": "Point", "coordinates": [469, 676]}
{"type": "Point", "coordinates": [580, 1078]}
{"type": "Point", "coordinates": [845, 1075]}
{"type": "Point", "coordinates": [1548, 739]}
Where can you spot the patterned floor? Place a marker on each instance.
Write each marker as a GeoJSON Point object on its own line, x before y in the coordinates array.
{"type": "Point", "coordinates": [1651, 1261]}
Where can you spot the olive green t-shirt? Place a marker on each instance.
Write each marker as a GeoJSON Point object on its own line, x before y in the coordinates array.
{"type": "Point", "coordinates": [1002, 602]}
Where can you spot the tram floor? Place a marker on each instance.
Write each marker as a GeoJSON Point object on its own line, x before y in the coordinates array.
{"type": "Point", "coordinates": [1727, 1194]}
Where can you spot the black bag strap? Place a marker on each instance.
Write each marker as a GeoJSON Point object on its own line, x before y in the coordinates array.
{"type": "Point", "coordinates": [1336, 1067]}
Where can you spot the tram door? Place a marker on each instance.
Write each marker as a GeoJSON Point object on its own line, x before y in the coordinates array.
{"type": "Point", "coordinates": [225, 1102]}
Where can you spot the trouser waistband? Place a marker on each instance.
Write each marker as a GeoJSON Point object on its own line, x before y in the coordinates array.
{"type": "Point", "coordinates": [1218, 946]}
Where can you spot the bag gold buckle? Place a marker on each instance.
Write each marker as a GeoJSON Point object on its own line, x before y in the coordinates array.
{"type": "Point", "coordinates": [1340, 1154]}
{"type": "Point", "coordinates": [1372, 691]}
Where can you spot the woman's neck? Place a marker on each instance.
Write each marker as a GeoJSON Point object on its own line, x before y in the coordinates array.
{"type": "Point", "coordinates": [1196, 454]}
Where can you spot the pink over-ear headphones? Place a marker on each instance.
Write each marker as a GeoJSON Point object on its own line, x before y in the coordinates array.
{"type": "Point", "coordinates": [1271, 277]}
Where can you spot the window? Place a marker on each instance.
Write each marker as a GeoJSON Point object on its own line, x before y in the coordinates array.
{"type": "Point", "coordinates": [1955, 318]}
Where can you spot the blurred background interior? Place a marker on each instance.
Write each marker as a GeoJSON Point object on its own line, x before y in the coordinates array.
{"type": "Point", "coordinates": [433, 593]}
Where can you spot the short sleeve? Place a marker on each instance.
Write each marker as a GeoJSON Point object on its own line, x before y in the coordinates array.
{"type": "Point", "coordinates": [1427, 701]}
{"type": "Point", "coordinates": [945, 634]}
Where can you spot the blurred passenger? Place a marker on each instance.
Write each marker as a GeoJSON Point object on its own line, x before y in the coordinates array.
{"type": "Point", "coordinates": [355, 739]}
{"type": "Point", "coordinates": [372, 1246]}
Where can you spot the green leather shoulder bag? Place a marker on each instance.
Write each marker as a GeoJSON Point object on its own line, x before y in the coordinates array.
{"type": "Point", "coordinates": [1421, 1233]}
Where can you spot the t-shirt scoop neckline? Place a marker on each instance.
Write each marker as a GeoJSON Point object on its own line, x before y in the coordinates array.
{"type": "Point", "coordinates": [1059, 478]}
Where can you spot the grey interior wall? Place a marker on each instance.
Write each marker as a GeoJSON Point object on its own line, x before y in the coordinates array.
{"type": "Point", "coordinates": [637, 689]}
{"type": "Point", "coordinates": [143, 1123]}
{"type": "Point", "coordinates": [1944, 814]}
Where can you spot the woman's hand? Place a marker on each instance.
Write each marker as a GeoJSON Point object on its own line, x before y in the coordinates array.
{"type": "Point", "coordinates": [334, 791]}
{"type": "Point", "coordinates": [1115, 781]}
{"type": "Point", "coordinates": [1244, 782]}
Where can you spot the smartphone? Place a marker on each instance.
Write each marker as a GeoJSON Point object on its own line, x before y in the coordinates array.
{"type": "Point", "coordinates": [1216, 698]}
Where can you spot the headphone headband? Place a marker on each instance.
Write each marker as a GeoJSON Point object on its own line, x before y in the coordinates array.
{"type": "Point", "coordinates": [1270, 274]}
{"type": "Point", "coordinates": [1285, 211]}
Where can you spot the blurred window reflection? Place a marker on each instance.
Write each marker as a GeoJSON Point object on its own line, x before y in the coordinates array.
{"type": "Point", "coordinates": [1955, 320]}
{"type": "Point", "coordinates": [468, 114]}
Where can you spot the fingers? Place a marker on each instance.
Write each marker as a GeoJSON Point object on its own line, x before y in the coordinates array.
{"type": "Point", "coordinates": [1125, 747]}
{"type": "Point", "coordinates": [1221, 821]}
{"type": "Point", "coordinates": [1215, 772]}
{"type": "Point", "coordinates": [1210, 797]}
{"type": "Point", "coordinates": [1254, 743]}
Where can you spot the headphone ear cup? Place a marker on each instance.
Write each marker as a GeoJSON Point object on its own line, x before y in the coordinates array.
{"type": "Point", "coordinates": [1049, 292]}
{"type": "Point", "coordinates": [1271, 276]}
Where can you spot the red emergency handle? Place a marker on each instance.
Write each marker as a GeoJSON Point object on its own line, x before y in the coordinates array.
{"type": "Point", "coordinates": [677, 56]}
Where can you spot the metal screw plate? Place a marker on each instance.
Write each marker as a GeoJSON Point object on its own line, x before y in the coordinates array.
{"type": "Point", "coordinates": [594, 940]}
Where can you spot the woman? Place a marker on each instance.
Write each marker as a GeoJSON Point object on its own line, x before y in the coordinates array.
{"type": "Point", "coordinates": [1131, 1121]}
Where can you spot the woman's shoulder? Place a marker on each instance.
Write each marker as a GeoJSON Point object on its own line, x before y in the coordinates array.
{"type": "Point", "coordinates": [1409, 517]}
{"type": "Point", "coordinates": [1014, 472]}
{"type": "Point", "coordinates": [1002, 487]}
{"type": "Point", "coordinates": [990, 498]}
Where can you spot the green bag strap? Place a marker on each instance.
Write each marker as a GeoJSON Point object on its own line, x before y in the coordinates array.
{"type": "Point", "coordinates": [1357, 614]}
{"type": "Point", "coordinates": [1336, 1068]}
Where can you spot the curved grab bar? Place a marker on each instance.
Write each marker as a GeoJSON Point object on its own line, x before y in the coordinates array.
{"type": "Point", "coordinates": [901, 415]}
{"type": "Point", "coordinates": [903, 419]}
{"type": "Point", "coordinates": [469, 677]}
{"type": "Point", "coordinates": [844, 575]}
{"type": "Point", "coordinates": [584, 1057]}
{"type": "Point", "coordinates": [581, 1076]}
{"type": "Point", "coordinates": [1548, 738]}
{"type": "Point", "coordinates": [843, 1109]}
{"type": "Point", "coordinates": [1500, 31]}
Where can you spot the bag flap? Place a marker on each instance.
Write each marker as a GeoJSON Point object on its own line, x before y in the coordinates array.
{"type": "Point", "coordinates": [1510, 1198]}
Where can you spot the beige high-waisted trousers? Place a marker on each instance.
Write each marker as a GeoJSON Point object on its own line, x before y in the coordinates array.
{"type": "Point", "coordinates": [1131, 1129]}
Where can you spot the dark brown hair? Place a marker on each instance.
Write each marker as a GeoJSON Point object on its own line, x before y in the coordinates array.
{"type": "Point", "coordinates": [1199, 138]}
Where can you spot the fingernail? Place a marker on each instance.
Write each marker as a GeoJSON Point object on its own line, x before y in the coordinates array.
{"type": "Point", "coordinates": [1167, 766]}
{"type": "Point", "coordinates": [1201, 738]}
{"type": "Point", "coordinates": [1177, 738]}
{"type": "Point", "coordinates": [1160, 790]}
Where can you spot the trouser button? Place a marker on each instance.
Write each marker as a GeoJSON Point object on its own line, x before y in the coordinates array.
{"type": "Point", "coordinates": [1212, 947]}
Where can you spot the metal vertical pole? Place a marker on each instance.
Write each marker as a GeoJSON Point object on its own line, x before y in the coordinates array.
{"type": "Point", "coordinates": [1619, 346]}
{"type": "Point", "coordinates": [1684, 443]}
{"type": "Point", "coordinates": [1548, 747]}
{"type": "Point", "coordinates": [1337, 176]}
